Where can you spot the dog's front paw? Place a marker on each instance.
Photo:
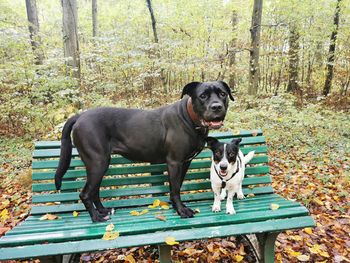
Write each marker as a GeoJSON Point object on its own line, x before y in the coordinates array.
{"type": "Point", "coordinates": [240, 196]}
{"type": "Point", "coordinates": [230, 210]}
{"type": "Point", "coordinates": [185, 212]}
{"type": "Point", "coordinates": [216, 208]}
{"type": "Point", "coordinates": [99, 218]}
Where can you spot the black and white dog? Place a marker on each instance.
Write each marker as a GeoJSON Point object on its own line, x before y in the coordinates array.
{"type": "Point", "coordinates": [171, 134]}
{"type": "Point", "coordinates": [227, 172]}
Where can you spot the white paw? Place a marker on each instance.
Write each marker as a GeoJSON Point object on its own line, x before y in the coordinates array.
{"type": "Point", "coordinates": [230, 210]}
{"type": "Point", "coordinates": [216, 208]}
{"type": "Point", "coordinates": [240, 196]}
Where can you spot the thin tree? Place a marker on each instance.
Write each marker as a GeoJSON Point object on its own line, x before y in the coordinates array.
{"type": "Point", "coordinates": [33, 26]}
{"type": "Point", "coordinates": [70, 37]}
{"type": "Point", "coordinates": [254, 71]}
{"type": "Point", "coordinates": [94, 18]}
{"type": "Point", "coordinates": [331, 52]}
{"type": "Point", "coordinates": [154, 28]}
{"type": "Point", "coordinates": [232, 51]}
{"type": "Point", "coordinates": [293, 53]}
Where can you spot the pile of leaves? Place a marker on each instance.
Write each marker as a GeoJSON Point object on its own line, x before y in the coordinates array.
{"type": "Point", "coordinates": [310, 163]}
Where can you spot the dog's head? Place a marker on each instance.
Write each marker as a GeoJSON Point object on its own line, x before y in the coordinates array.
{"type": "Point", "coordinates": [224, 154]}
{"type": "Point", "coordinates": [210, 101]}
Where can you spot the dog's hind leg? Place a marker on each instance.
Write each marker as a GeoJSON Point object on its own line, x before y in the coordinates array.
{"type": "Point", "coordinates": [96, 196]}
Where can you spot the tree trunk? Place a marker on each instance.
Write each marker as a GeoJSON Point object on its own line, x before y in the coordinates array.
{"type": "Point", "coordinates": [149, 5]}
{"type": "Point", "coordinates": [254, 72]}
{"type": "Point", "coordinates": [293, 59]}
{"type": "Point", "coordinates": [32, 14]}
{"type": "Point", "coordinates": [331, 51]}
{"type": "Point", "coordinates": [94, 19]}
{"type": "Point", "coordinates": [232, 52]}
{"type": "Point", "coordinates": [70, 37]}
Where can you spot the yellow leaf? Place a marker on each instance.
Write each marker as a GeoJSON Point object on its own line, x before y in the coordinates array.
{"type": "Point", "coordinates": [197, 210]}
{"type": "Point", "coordinates": [145, 211]}
{"type": "Point", "coordinates": [171, 241]}
{"type": "Point", "coordinates": [318, 201]}
{"type": "Point", "coordinates": [151, 206]}
{"type": "Point", "coordinates": [110, 235]}
{"type": "Point", "coordinates": [130, 258]}
{"type": "Point", "coordinates": [4, 215]}
{"type": "Point", "coordinates": [250, 195]}
{"type": "Point", "coordinates": [293, 253]}
{"type": "Point", "coordinates": [110, 227]}
{"type": "Point", "coordinates": [315, 249]}
{"type": "Point", "coordinates": [156, 203]}
{"type": "Point", "coordinates": [308, 230]}
{"type": "Point", "coordinates": [238, 258]}
{"type": "Point", "coordinates": [296, 238]}
{"type": "Point", "coordinates": [303, 258]}
{"type": "Point", "coordinates": [134, 213]}
{"type": "Point", "coordinates": [163, 203]}
{"type": "Point", "coordinates": [274, 206]}
{"type": "Point", "coordinates": [5, 203]}
{"type": "Point", "coordinates": [75, 213]}
{"type": "Point", "coordinates": [49, 217]}
{"type": "Point", "coordinates": [324, 254]}
{"type": "Point", "coordinates": [165, 207]}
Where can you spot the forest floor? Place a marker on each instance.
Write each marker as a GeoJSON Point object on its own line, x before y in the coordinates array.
{"type": "Point", "coordinates": [310, 162]}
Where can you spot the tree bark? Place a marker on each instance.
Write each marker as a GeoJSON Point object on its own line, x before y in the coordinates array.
{"type": "Point", "coordinates": [293, 59]}
{"type": "Point", "coordinates": [254, 71]}
{"type": "Point", "coordinates": [232, 51]}
{"type": "Point", "coordinates": [331, 52]}
{"type": "Point", "coordinates": [32, 15]}
{"type": "Point", "coordinates": [70, 37]}
{"type": "Point", "coordinates": [94, 19]}
{"type": "Point", "coordinates": [154, 28]}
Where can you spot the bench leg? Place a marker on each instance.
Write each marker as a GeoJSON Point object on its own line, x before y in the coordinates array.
{"type": "Point", "coordinates": [263, 246]}
{"type": "Point", "coordinates": [69, 258]}
{"type": "Point", "coordinates": [164, 253]}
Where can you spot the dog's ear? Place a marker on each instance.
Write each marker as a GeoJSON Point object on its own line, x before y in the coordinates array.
{"type": "Point", "coordinates": [189, 89]}
{"type": "Point", "coordinates": [211, 141]}
{"type": "Point", "coordinates": [227, 88]}
{"type": "Point", "coordinates": [236, 141]}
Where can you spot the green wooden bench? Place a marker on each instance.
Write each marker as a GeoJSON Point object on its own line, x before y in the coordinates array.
{"type": "Point", "coordinates": [130, 186]}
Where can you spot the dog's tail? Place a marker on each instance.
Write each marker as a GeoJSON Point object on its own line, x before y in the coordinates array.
{"type": "Point", "coordinates": [248, 157]}
{"type": "Point", "coordinates": [66, 151]}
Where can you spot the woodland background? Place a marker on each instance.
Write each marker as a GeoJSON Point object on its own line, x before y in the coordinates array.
{"type": "Point", "coordinates": [289, 69]}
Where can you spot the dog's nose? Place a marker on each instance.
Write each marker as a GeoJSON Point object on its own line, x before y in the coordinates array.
{"type": "Point", "coordinates": [216, 107]}
{"type": "Point", "coordinates": [223, 166]}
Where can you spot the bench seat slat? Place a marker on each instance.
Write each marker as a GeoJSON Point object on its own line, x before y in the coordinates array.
{"type": "Point", "coordinates": [156, 238]}
{"type": "Point", "coordinates": [147, 227]}
{"type": "Point", "coordinates": [124, 218]}
{"type": "Point", "coordinates": [160, 178]}
{"type": "Point", "coordinates": [135, 191]}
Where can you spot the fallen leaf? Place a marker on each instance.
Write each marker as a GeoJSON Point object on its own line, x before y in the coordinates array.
{"type": "Point", "coordinates": [274, 206]}
{"type": "Point", "coordinates": [171, 241]}
{"type": "Point", "coordinates": [238, 258]}
{"type": "Point", "coordinates": [163, 203]}
{"type": "Point", "coordinates": [49, 217]}
{"type": "Point", "coordinates": [4, 215]}
{"type": "Point", "coordinates": [250, 195]}
{"type": "Point", "coordinates": [318, 201]}
{"type": "Point", "coordinates": [308, 230]}
{"type": "Point", "coordinates": [165, 207]}
{"type": "Point", "coordinates": [160, 217]}
{"type": "Point", "coordinates": [303, 258]}
{"type": "Point", "coordinates": [110, 227]}
{"type": "Point", "coordinates": [324, 254]}
{"type": "Point", "coordinates": [134, 213]}
{"type": "Point", "coordinates": [145, 211]}
{"type": "Point", "coordinates": [197, 210]}
{"type": "Point", "coordinates": [130, 258]}
{"type": "Point", "coordinates": [75, 213]}
{"type": "Point", "coordinates": [315, 249]}
{"type": "Point", "coordinates": [110, 235]}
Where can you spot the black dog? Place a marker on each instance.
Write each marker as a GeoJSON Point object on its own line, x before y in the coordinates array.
{"type": "Point", "coordinates": [172, 134]}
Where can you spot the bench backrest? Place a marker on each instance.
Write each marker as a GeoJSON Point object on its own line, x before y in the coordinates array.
{"type": "Point", "coordinates": [126, 181]}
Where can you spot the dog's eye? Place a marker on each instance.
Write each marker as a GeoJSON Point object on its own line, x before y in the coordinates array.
{"type": "Point", "coordinates": [231, 155]}
{"type": "Point", "coordinates": [222, 94]}
{"type": "Point", "coordinates": [203, 96]}
{"type": "Point", "coordinates": [217, 153]}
